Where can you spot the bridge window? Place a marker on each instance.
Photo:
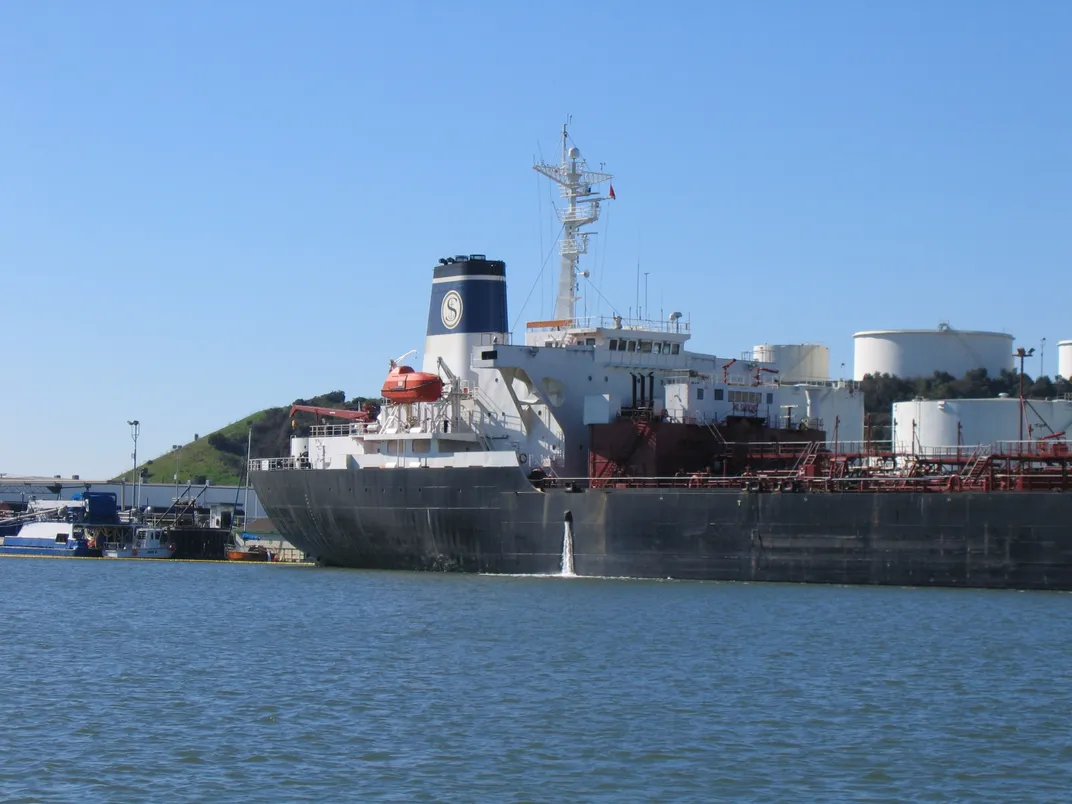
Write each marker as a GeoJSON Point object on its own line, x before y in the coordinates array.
{"type": "Point", "coordinates": [699, 394]}
{"type": "Point", "coordinates": [718, 394]}
{"type": "Point", "coordinates": [589, 341]}
{"type": "Point", "coordinates": [747, 397]}
{"type": "Point", "coordinates": [657, 348]}
{"type": "Point", "coordinates": [614, 344]}
{"type": "Point", "coordinates": [632, 346]}
{"type": "Point", "coordinates": [675, 348]}
{"type": "Point", "coordinates": [645, 347]}
{"type": "Point", "coordinates": [770, 399]}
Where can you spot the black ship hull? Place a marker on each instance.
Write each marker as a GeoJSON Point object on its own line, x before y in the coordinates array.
{"type": "Point", "coordinates": [493, 520]}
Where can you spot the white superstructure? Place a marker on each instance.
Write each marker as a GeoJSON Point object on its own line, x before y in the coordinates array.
{"type": "Point", "coordinates": [910, 353]}
{"type": "Point", "coordinates": [1064, 359]}
{"type": "Point", "coordinates": [531, 404]}
{"type": "Point", "coordinates": [924, 424]}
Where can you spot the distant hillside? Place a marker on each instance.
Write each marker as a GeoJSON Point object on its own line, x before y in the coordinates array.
{"type": "Point", "coordinates": [220, 456]}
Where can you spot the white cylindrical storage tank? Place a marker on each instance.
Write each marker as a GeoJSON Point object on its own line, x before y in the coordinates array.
{"type": "Point", "coordinates": [910, 353]}
{"type": "Point", "coordinates": [764, 353]}
{"type": "Point", "coordinates": [1064, 359]}
{"type": "Point", "coordinates": [944, 423]}
{"type": "Point", "coordinates": [837, 410]}
{"type": "Point", "coordinates": [796, 362]}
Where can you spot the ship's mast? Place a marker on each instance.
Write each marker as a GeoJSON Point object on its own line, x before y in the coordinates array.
{"type": "Point", "coordinates": [582, 208]}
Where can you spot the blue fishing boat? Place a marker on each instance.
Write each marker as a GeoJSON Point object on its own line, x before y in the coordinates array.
{"type": "Point", "coordinates": [79, 527]}
{"type": "Point", "coordinates": [49, 539]}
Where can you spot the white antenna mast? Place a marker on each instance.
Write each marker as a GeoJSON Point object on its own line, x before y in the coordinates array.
{"type": "Point", "coordinates": [582, 209]}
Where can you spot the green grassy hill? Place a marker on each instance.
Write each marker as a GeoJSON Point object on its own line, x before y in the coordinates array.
{"type": "Point", "coordinates": [220, 456]}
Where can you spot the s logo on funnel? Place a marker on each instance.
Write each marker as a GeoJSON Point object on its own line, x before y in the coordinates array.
{"type": "Point", "coordinates": [451, 309]}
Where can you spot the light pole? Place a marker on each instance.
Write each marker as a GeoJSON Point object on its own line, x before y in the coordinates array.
{"type": "Point", "coordinates": [1042, 358]}
{"type": "Point", "coordinates": [249, 452]}
{"type": "Point", "coordinates": [135, 429]}
{"type": "Point", "coordinates": [1023, 354]}
{"type": "Point", "coordinates": [176, 448]}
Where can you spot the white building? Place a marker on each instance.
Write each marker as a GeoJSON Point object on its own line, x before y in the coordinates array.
{"type": "Point", "coordinates": [921, 352]}
{"type": "Point", "coordinates": [160, 496]}
{"type": "Point", "coordinates": [931, 423]}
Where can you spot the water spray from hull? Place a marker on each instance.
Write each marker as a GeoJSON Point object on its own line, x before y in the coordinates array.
{"type": "Point", "coordinates": [567, 546]}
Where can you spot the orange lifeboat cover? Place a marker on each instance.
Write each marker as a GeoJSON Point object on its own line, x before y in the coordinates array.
{"type": "Point", "coordinates": [405, 385]}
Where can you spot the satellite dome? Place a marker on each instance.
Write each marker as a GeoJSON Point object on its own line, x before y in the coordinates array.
{"type": "Point", "coordinates": [574, 152]}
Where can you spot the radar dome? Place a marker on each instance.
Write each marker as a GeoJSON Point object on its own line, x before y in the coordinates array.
{"type": "Point", "coordinates": [574, 152]}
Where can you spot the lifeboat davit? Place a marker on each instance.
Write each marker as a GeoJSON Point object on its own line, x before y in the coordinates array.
{"type": "Point", "coordinates": [404, 385]}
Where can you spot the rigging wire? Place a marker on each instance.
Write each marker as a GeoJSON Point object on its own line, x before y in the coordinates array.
{"type": "Point", "coordinates": [539, 205]}
{"type": "Point", "coordinates": [539, 276]}
{"type": "Point", "coordinates": [603, 250]}
{"type": "Point", "coordinates": [551, 288]}
{"type": "Point", "coordinates": [604, 298]}
{"type": "Point", "coordinates": [550, 228]}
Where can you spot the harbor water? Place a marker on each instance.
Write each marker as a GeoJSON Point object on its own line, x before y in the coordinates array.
{"type": "Point", "coordinates": [132, 681]}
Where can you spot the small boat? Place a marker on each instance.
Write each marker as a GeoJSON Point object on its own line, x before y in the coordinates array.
{"type": "Point", "coordinates": [61, 539]}
{"type": "Point", "coordinates": [78, 527]}
{"type": "Point", "coordinates": [144, 542]}
{"type": "Point", "coordinates": [249, 552]}
{"type": "Point", "coordinates": [404, 385]}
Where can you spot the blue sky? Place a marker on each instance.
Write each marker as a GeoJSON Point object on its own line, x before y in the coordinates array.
{"type": "Point", "coordinates": [207, 208]}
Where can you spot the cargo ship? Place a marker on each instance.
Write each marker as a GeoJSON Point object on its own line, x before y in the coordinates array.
{"type": "Point", "coordinates": [603, 446]}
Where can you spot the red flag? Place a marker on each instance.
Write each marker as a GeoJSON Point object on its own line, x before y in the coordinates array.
{"type": "Point", "coordinates": [612, 195]}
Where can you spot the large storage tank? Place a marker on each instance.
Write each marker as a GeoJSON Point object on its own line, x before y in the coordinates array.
{"type": "Point", "coordinates": [839, 410]}
{"type": "Point", "coordinates": [1064, 359]}
{"type": "Point", "coordinates": [932, 423]}
{"type": "Point", "coordinates": [921, 352]}
{"type": "Point", "coordinates": [796, 362]}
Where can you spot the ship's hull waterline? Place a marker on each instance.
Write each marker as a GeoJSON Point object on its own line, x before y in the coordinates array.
{"type": "Point", "coordinates": [492, 520]}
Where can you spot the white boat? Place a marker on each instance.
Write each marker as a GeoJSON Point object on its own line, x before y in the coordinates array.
{"type": "Point", "coordinates": [78, 527]}
{"type": "Point", "coordinates": [145, 542]}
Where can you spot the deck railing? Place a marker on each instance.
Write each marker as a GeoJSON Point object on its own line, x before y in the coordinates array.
{"type": "Point", "coordinates": [678, 325]}
{"type": "Point", "coordinates": [275, 464]}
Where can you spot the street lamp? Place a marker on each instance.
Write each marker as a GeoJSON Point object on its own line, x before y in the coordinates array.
{"type": "Point", "coordinates": [135, 429]}
{"type": "Point", "coordinates": [176, 448]}
{"type": "Point", "coordinates": [1023, 354]}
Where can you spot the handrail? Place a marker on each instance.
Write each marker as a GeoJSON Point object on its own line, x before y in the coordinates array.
{"type": "Point", "coordinates": [274, 464]}
{"type": "Point", "coordinates": [622, 324]}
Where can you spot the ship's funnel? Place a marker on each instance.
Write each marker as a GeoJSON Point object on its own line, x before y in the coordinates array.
{"type": "Point", "coordinates": [467, 309]}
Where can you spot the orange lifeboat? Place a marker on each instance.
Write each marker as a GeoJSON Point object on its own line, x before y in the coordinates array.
{"type": "Point", "coordinates": [404, 385]}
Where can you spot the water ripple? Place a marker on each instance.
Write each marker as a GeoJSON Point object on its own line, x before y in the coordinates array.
{"type": "Point", "coordinates": [136, 682]}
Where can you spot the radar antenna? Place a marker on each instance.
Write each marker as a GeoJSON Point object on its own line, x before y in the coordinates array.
{"type": "Point", "coordinates": [582, 209]}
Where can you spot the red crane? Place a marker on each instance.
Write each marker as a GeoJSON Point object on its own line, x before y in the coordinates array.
{"type": "Point", "coordinates": [366, 414]}
{"type": "Point", "coordinates": [761, 369]}
{"type": "Point", "coordinates": [726, 371]}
